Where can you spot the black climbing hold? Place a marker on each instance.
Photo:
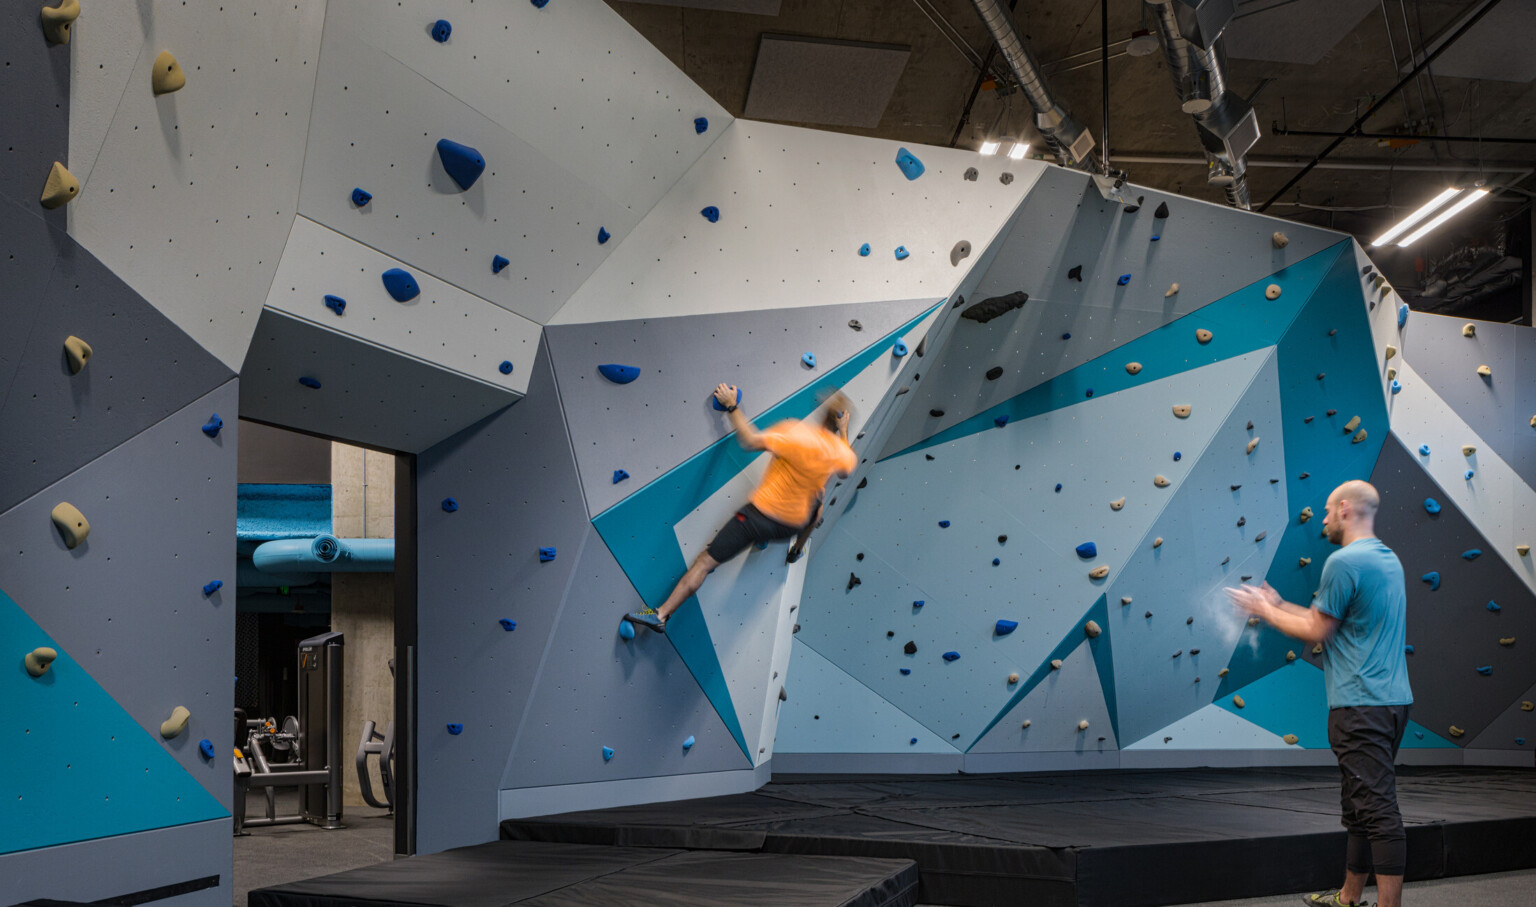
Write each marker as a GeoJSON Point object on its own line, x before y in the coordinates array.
{"type": "Point", "coordinates": [1178, 653]}
{"type": "Point", "coordinates": [1002, 539]}
{"type": "Point", "coordinates": [796, 629]}
{"type": "Point", "coordinates": [441, 29]}
{"type": "Point", "coordinates": [988, 309]}
{"type": "Point", "coordinates": [619, 374]}
{"type": "Point", "coordinates": [361, 197]}
{"type": "Point", "coordinates": [546, 555]}
{"type": "Point", "coordinates": [401, 285]}
{"type": "Point", "coordinates": [506, 367]}
{"type": "Point", "coordinates": [922, 347]}
{"type": "Point", "coordinates": [212, 426]}
{"type": "Point", "coordinates": [1194, 651]}
{"type": "Point", "coordinates": [1250, 425]}
{"type": "Point", "coordinates": [619, 475]}
{"type": "Point", "coordinates": [1333, 332]}
{"type": "Point", "coordinates": [856, 325]}
{"type": "Point", "coordinates": [1304, 475]}
{"type": "Point", "coordinates": [603, 235]}
{"type": "Point", "coordinates": [1149, 615]}
{"type": "Point", "coordinates": [1365, 270]}
{"type": "Point", "coordinates": [335, 304]}
{"type": "Point", "coordinates": [1226, 560]}
{"type": "Point", "coordinates": [463, 163]}
{"type": "Point", "coordinates": [1242, 521]}
{"type": "Point", "coordinates": [309, 382]}
{"type": "Point", "coordinates": [1132, 209]}
{"type": "Point", "coordinates": [1274, 481]}
{"type": "Point", "coordinates": [971, 173]}
{"type": "Point", "coordinates": [1162, 211]}
{"type": "Point", "coordinates": [959, 301]}
{"type": "Point", "coordinates": [833, 503]}
{"type": "Point", "coordinates": [1236, 487]}
{"type": "Point", "coordinates": [936, 413]}
{"type": "Point", "coordinates": [1321, 375]}
{"type": "Point", "coordinates": [994, 373]}
{"type": "Point", "coordinates": [450, 505]}
{"type": "Point", "coordinates": [928, 456]}
{"type": "Point", "coordinates": [953, 736]}
{"type": "Point", "coordinates": [890, 634]}
{"type": "Point", "coordinates": [508, 625]}
{"type": "Point", "coordinates": [1331, 412]}
{"type": "Point", "coordinates": [711, 214]}
{"type": "Point", "coordinates": [1307, 420]}
{"type": "Point", "coordinates": [1076, 273]}
{"type": "Point", "coordinates": [1188, 621]}
{"type": "Point", "coordinates": [860, 555]}
{"type": "Point", "coordinates": [853, 581]}
{"type": "Point", "coordinates": [1245, 579]}
{"type": "Point", "coordinates": [213, 586]}
{"type": "Point", "coordinates": [499, 263]}
{"type": "Point", "coordinates": [700, 124]}
{"type": "Point", "coordinates": [910, 648]}
{"type": "Point", "coordinates": [862, 482]}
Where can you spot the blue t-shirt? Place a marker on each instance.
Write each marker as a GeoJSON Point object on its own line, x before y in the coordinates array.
{"type": "Point", "coordinates": [1364, 662]}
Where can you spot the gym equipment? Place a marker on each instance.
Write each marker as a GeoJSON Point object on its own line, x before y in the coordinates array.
{"type": "Point", "coordinates": [382, 745]}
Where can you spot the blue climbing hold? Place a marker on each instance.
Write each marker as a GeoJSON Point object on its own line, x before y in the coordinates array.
{"type": "Point", "coordinates": [914, 741]}
{"type": "Point", "coordinates": [809, 360]}
{"type": "Point", "coordinates": [864, 250]}
{"type": "Point", "coordinates": [1124, 279]}
{"type": "Point", "coordinates": [688, 744]}
{"type": "Point", "coordinates": [619, 374]}
{"type": "Point", "coordinates": [539, 4]}
{"type": "Point", "coordinates": [1419, 734]}
{"type": "Point", "coordinates": [905, 672]}
{"type": "Point", "coordinates": [361, 197]}
{"type": "Point", "coordinates": [212, 426]}
{"type": "Point", "coordinates": [212, 587]}
{"type": "Point", "coordinates": [1088, 392]}
{"type": "Point", "coordinates": [1066, 336]}
{"type": "Point", "coordinates": [1000, 421]}
{"type": "Point", "coordinates": [205, 746]}
{"type": "Point", "coordinates": [700, 124]}
{"type": "Point", "coordinates": [1087, 549]}
{"type": "Point", "coordinates": [336, 304]}
{"type": "Point", "coordinates": [716, 403]}
{"type": "Point", "coordinates": [441, 29]}
{"type": "Point", "coordinates": [951, 656]}
{"type": "Point", "coordinates": [1431, 506]}
{"type": "Point", "coordinates": [546, 554]}
{"type": "Point", "coordinates": [607, 750]}
{"type": "Point", "coordinates": [996, 561]}
{"type": "Point", "coordinates": [901, 252]}
{"type": "Point", "coordinates": [1402, 314]}
{"type": "Point", "coordinates": [1058, 488]}
{"type": "Point", "coordinates": [943, 524]}
{"type": "Point", "coordinates": [498, 263]}
{"type": "Point", "coordinates": [508, 625]}
{"type": "Point", "coordinates": [900, 349]}
{"type": "Point", "coordinates": [401, 285]}
{"type": "Point", "coordinates": [1408, 649]}
{"type": "Point", "coordinates": [1397, 386]}
{"type": "Point", "coordinates": [603, 235]}
{"type": "Point", "coordinates": [1468, 474]}
{"type": "Point", "coordinates": [450, 505]}
{"type": "Point", "coordinates": [1433, 578]}
{"type": "Point", "coordinates": [626, 630]}
{"type": "Point", "coordinates": [1423, 450]}
{"type": "Point", "coordinates": [711, 214]}
{"type": "Point", "coordinates": [1494, 607]}
{"type": "Point", "coordinates": [309, 382]}
{"type": "Point", "coordinates": [1155, 237]}
{"type": "Point", "coordinates": [1485, 670]}
{"type": "Point", "coordinates": [919, 604]}
{"type": "Point", "coordinates": [1519, 741]}
{"type": "Point", "coordinates": [1177, 456]}
{"type": "Point", "coordinates": [506, 367]}
{"type": "Point", "coordinates": [1003, 628]}
{"type": "Point", "coordinates": [463, 163]}
{"type": "Point", "coordinates": [619, 475]}
{"type": "Point", "coordinates": [911, 167]}
{"type": "Point", "coordinates": [1471, 554]}
{"type": "Point", "coordinates": [455, 728]}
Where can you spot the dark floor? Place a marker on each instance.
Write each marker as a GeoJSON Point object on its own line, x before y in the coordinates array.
{"type": "Point", "coordinates": [1502, 889]}
{"type": "Point", "coordinates": [289, 853]}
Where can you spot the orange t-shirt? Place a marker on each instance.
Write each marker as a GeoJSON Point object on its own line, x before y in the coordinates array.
{"type": "Point", "coordinates": [804, 457]}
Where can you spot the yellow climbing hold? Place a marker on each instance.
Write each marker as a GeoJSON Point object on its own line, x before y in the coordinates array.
{"type": "Point", "coordinates": [1456, 731]}
{"type": "Point", "coordinates": [1222, 673]}
{"type": "Point", "coordinates": [39, 659]}
{"type": "Point", "coordinates": [1117, 503]}
{"type": "Point", "coordinates": [71, 523]}
{"type": "Point", "coordinates": [167, 76]}
{"type": "Point", "coordinates": [1359, 436]}
{"type": "Point", "coordinates": [1157, 542]}
{"type": "Point", "coordinates": [1252, 444]}
{"type": "Point", "coordinates": [1468, 450]}
{"type": "Point", "coordinates": [1507, 641]}
{"type": "Point", "coordinates": [1391, 351]}
{"type": "Point", "coordinates": [1292, 739]}
{"type": "Point", "coordinates": [58, 19]}
{"type": "Point", "coordinates": [1238, 701]}
{"type": "Point", "coordinates": [1173, 290]}
{"type": "Point", "coordinates": [1160, 481]}
{"type": "Point", "coordinates": [77, 352]}
{"type": "Point", "coordinates": [61, 188]}
{"type": "Point", "coordinates": [175, 724]}
{"type": "Point", "coordinates": [1093, 630]}
{"type": "Point", "coordinates": [1469, 330]}
{"type": "Point", "coordinates": [1098, 572]}
{"type": "Point", "coordinates": [1527, 706]}
{"type": "Point", "coordinates": [1280, 240]}
{"type": "Point", "coordinates": [1306, 514]}
{"type": "Point", "coordinates": [1202, 335]}
{"type": "Point", "coordinates": [1304, 561]}
{"type": "Point", "coordinates": [1133, 368]}
{"type": "Point", "coordinates": [1272, 291]}
{"type": "Point", "coordinates": [1183, 410]}
{"type": "Point", "coordinates": [1522, 550]}
{"type": "Point", "coordinates": [1484, 371]}
{"type": "Point", "coordinates": [1351, 425]}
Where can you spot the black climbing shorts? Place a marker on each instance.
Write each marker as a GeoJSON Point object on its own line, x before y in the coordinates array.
{"type": "Point", "coordinates": [1365, 739]}
{"type": "Point", "coordinates": [749, 526]}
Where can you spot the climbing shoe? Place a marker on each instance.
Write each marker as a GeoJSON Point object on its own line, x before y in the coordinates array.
{"type": "Point", "coordinates": [1329, 898]}
{"type": "Point", "coordinates": [793, 555]}
{"type": "Point", "coordinates": [649, 618]}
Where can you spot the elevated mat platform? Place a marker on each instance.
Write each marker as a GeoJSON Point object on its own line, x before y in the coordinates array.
{"type": "Point", "coordinates": [534, 874]}
{"type": "Point", "coordinates": [1088, 839]}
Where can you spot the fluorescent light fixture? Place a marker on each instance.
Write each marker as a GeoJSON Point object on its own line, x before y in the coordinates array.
{"type": "Point", "coordinates": [1402, 226]}
{"type": "Point", "coordinates": [989, 147]}
{"type": "Point", "coordinates": [1017, 152]}
{"type": "Point", "coordinates": [1445, 215]}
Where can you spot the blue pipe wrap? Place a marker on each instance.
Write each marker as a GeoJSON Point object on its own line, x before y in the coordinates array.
{"type": "Point", "coordinates": [326, 554]}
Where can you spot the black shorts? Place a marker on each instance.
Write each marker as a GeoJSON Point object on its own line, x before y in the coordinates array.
{"type": "Point", "coordinates": [1366, 739]}
{"type": "Point", "coordinates": [749, 526]}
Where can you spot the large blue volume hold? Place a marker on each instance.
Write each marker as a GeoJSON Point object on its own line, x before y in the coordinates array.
{"type": "Point", "coordinates": [401, 285]}
{"type": "Point", "coordinates": [911, 167]}
{"type": "Point", "coordinates": [619, 374]}
{"type": "Point", "coordinates": [1004, 627]}
{"type": "Point", "coordinates": [1086, 549]}
{"type": "Point", "coordinates": [441, 29]}
{"type": "Point", "coordinates": [462, 162]}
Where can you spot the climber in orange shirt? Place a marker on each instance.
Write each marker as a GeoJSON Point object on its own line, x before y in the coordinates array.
{"type": "Point", "coordinates": [786, 503]}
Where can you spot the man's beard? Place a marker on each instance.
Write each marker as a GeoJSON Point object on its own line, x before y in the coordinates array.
{"type": "Point", "coordinates": [1336, 535]}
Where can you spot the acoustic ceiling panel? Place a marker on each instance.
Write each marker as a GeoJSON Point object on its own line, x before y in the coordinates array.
{"type": "Point", "coordinates": [1299, 31]}
{"type": "Point", "coordinates": [814, 80]}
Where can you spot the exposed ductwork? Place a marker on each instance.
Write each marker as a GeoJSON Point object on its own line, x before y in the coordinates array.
{"type": "Point", "coordinates": [1228, 128]}
{"type": "Point", "coordinates": [1069, 139]}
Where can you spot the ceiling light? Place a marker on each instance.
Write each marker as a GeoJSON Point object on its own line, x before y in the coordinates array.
{"type": "Point", "coordinates": [1142, 43]}
{"type": "Point", "coordinates": [989, 147]}
{"type": "Point", "coordinates": [1017, 152]}
{"type": "Point", "coordinates": [1445, 215]}
{"type": "Point", "coordinates": [1402, 226]}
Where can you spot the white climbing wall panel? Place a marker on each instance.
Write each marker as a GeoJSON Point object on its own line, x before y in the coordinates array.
{"type": "Point", "coordinates": [795, 206]}
{"type": "Point", "coordinates": [104, 47]}
{"type": "Point", "coordinates": [192, 195]}
{"type": "Point", "coordinates": [445, 326]}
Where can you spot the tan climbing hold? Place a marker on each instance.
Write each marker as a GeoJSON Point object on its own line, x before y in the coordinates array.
{"type": "Point", "coordinates": [1359, 436]}
{"type": "Point", "coordinates": [1351, 425]}
{"type": "Point", "coordinates": [1469, 330]}
{"type": "Point", "coordinates": [1083, 725]}
{"type": "Point", "coordinates": [1292, 739]}
{"type": "Point", "coordinates": [1160, 481]}
{"type": "Point", "coordinates": [1306, 514]}
{"type": "Point", "coordinates": [1468, 450]}
{"type": "Point", "coordinates": [71, 523]}
{"type": "Point", "coordinates": [1173, 290]}
{"type": "Point", "coordinates": [1182, 410]}
{"type": "Point", "coordinates": [1098, 572]}
{"type": "Point", "coordinates": [1280, 240]}
{"type": "Point", "coordinates": [1056, 664]}
{"type": "Point", "coordinates": [39, 659]}
{"type": "Point", "coordinates": [1117, 503]}
{"type": "Point", "coordinates": [58, 19]}
{"type": "Point", "coordinates": [1527, 706]}
{"type": "Point", "coordinates": [1291, 655]}
{"type": "Point", "coordinates": [1507, 641]}
{"type": "Point", "coordinates": [1238, 701]}
{"type": "Point", "coordinates": [77, 352]}
{"type": "Point", "coordinates": [167, 76]}
{"type": "Point", "coordinates": [1157, 542]}
{"type": "Point", "coordinates": [1252, 444]}
{"type": "Point", "coordinates": [175, 724]}
{"type": "Point", "coordinates": [1456, 731]}
{"type": "Point", "coordinates": [1522, 550]}
{"type": "Point", "coordinates": [1222, 673]}
{"type": "Point", "coordinates": [1391, 373]}
{"type": "Point", "coordinates": [1093, 630]}
{"type": "Point", "coordinates": [1125, 599]}
{"type": "Point", "coordinates": [1533, 421]}
{"type": "Point", "coordinates": [1391, 351]}
{"type": "Point", "coordinates": [61, 188]}
{"type": "Point", "coordinates": [1133, 368]}
{"type": "Point", "coordinates": [1272, 291]}
{"type": "Point", "coordinates": [1013, 678]}
{"type": "Point", "coordinates": [1317, 649]}
{"type": "Point", "coordinates": [1202, 335]}
{"type": "Point", "coordinates": [1026, 723]}
{"type": "Point", "coordinates": [1253, 621]}
{"type": "Point", "coordinates": [1304, 561]}
{"type": "Point", "coordinates": [1484, 371]}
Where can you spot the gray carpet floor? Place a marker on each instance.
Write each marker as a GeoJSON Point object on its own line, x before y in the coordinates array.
{"type": "Point", "coordinates": [290, 853]}
{"type": "Point", "coordinates": [1503, 889]}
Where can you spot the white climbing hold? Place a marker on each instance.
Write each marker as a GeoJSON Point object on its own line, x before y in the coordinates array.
{"type": "Point", "coordinates": [77, 352]}
{"type": "Point", "coordinates": [1099, 572]}
{"type": "Point", "coordinates": [1484, 371]}
{"type": "Point", "coordinates": [39, 659]}
{"type": "Point", "coordinates": [1469, 330]}
{"type": "Point", "coordinates": [1391, 373]}
{"type": "Point", "coordinates": [1317, 649]}
{"type": "Point", "coordinates": [58, 19]}
{"type": "Point", "coordinates": [61, 187]}
{"type": "Point", "coordinates": [175, 724]}
{"type": "Point", "coordinates": [1252, 444]}
{"type": "Point", "coordinates": [1527, 706]}
{"type": "Point", "coordinates": [1303, 561]}
{"type": "Point", "coordinates": [1125, 599]}
{"type": "Point", "coordinates": [1117, 503]}
{"type": "Point", "coordinates": [1055, 664]}
{"type": "Point", "coordinates": [71, 523]}
{"type": "Point", "coordinates": [1025, 724]}
{"type": "Point", "coordinates": [1182, 410]}
{"type": "Point", "coordinates": [1093, 630]}
{"type": "Point", "coordinates": [167, 76]}
{"type": "Point", "coordinates": [1160, 481]}
{"type": "Point", "coordinates": [1280, 240]}
{"type": "Point", "coordinates": [1272, 291]}
{"type": "Point", "coordinates": [1083, 725]}
{"type": "Point", "coordinates": [1133, 368]}
{"type": "Point", "coordinates": [1202, 335]}
{"type": "Point", "coordinates": [1506, 640]}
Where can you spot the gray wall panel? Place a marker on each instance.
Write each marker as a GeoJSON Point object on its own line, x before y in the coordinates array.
{"type": "Point", "coordinates": [1515, 729]}
{"type": "Point", "coordinates": [1452, 631]}
{"type": "Point", "coordinates": [143, 368]}
{"type": "Point", "coordinates": [28, 250]}
{"type": "Point", "coordinates": [106, 868]}
{"type": "Point", "coordinates": [34, 101]}
{"type": "Point", "coordinates": [128, 603]}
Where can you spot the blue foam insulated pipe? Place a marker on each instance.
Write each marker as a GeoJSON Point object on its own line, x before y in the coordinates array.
{"type": "Point", "coordinates": [326, 554]}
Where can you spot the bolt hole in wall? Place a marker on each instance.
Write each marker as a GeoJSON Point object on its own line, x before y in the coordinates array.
{"type": "Point", "coordinates": [295, 488]}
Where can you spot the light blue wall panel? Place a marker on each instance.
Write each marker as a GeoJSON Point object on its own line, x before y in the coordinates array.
{"type": "Point", "coordinates": [1211, 728]}
{"type": "Point", "coordinates": [128, 603]}
{"type": "Point", "coordinates": [1053, 709]}
{"type": "Point", "coordinates": [137, 862]}
{"type": "Point", "coordinates": [831, 712]}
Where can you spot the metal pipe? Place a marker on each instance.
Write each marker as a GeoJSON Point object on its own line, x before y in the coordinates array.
{"type": "Point", "coordinates": [1104, 77]}
{"type": "Point", "coordinates": [1071, 142]}
{"type": "Point", "coordinates": [1135, 157]}
{"type": "Point", "coordinates": [1276, 129]}
{"type": "Point", "coordinates": [1465, 27]}
{"type": "Point", "coordinates": [326, 554]}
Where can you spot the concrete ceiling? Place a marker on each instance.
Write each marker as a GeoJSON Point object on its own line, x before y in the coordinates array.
{"type": "Point", "coordinates": [1329, 60]}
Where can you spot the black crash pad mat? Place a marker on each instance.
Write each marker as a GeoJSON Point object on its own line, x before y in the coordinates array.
{"type": "Point", "coordinates": [538, 874]}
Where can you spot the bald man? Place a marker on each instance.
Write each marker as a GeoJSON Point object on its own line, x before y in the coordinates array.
{"type": "Point", "coordinates": [1359, 615]}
